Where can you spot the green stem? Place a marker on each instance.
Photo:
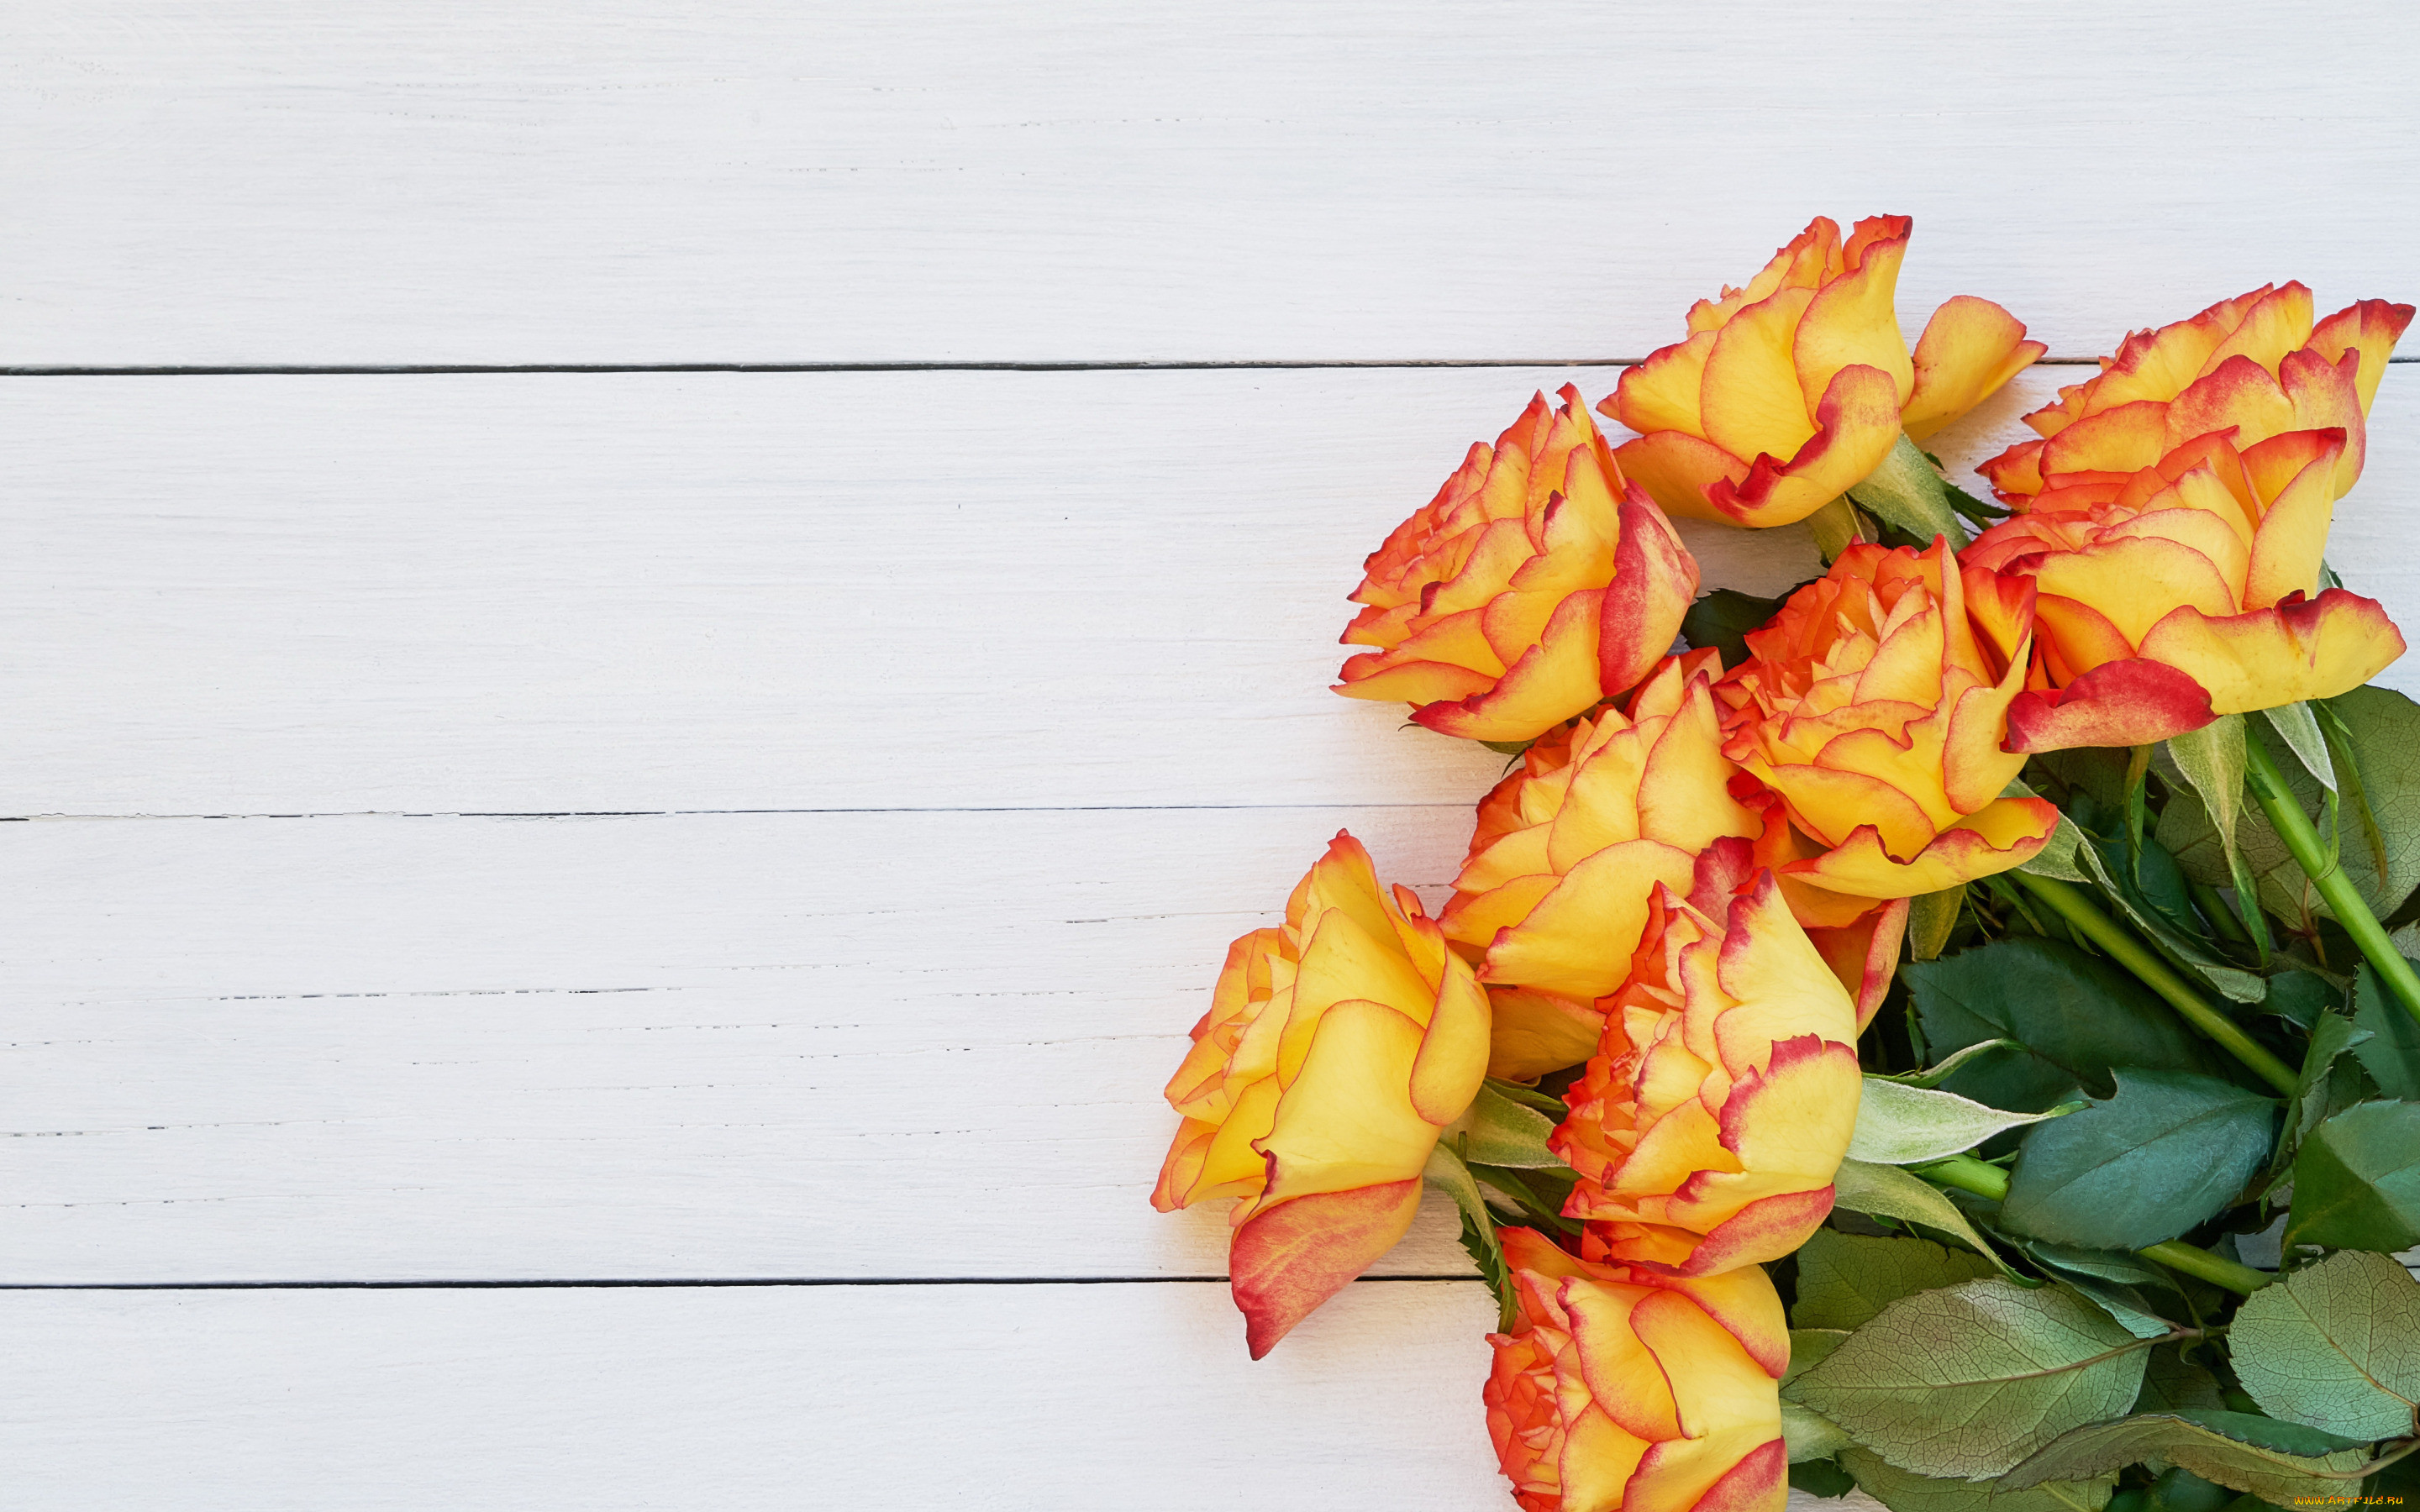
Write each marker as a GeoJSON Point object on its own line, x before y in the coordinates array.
{"type": "Point", "coordinates": [2074, 906]}
{"type": "Point", "coordinates": [2215, 1268]}
{"type": "Point", "coordinates": [1967, 1174]}
{"type": "Point", "coordinates": [1985, 1180]}
{"type": "Point", "coordinates": [2213, 907]}
{"type": "Point", "coordinates": [2317, 860]}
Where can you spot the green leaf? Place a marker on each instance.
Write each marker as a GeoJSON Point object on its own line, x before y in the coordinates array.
{"type": "Point", "coordinates": [1529, 1097]}
{"type": "Point", "coordinates": [2098, 771]}
{"type": "Point", "coordinates": [1539, 1194]}
{"type": "Point", "coordinates": [2300, 729]}
{"type": "Point", "coordinates": [2349, 783]}
{"type": "Point", "coordinates": [1723, 618]}
{"type": "Point", "coordinates": [2168, 1150]}
{"type": "Point", "coordinates": [2268, 1458]}
{"type": "Point", "coordinates": [1504, 1133]}
{"type": "Point", "coordinates": [1906, 492]}
{"type": "Point", "coordinates": [2128, 1289]}
{"type": "Point", "coordinates": [2058, 857]}
{"type": "Point", "coordinates": [1818, 1477]}
{"type": "Point", "coordinates": [2392, 1053]}
{"type": "Point", "coordinates": [2212, 760]}
{"type": "Point", "coordinates": [2301, 996]}
{"type": "Point", "coordinates": [1888, 1192]}
{"type": "Point", "coordinates": [2384, 727]}
{"type": "Point", "coordinates": [1947, 1066]}
{"type": "Point", "coordinates": [2171, 1380]}
{"type": "Point", "coordinates": [1808, 1433]}
{"type": "Point", "coordinates": [1900, 1125]}
{"type": "Point", "coordinates": [2335, 1347]}
{"type": "Point", "coordinates": [2357, 1180]}
{"type": "Point", "coordinates": [2182, 1491]}
{"type": "Point", "coordinates": [2165, 930]}
{"type": "Point", "coordinates": [1905, 1491]}
{"type": "Point", "coordinates": [1448, 1173]}
{"type": "Point", "coordinates": [1929, 919]}
{"type": "Point", "coordinates": [2077, 1015]}
{"type": "Point", "coordinates": [1845, 1280]}
{"type": "Point", "coordinates": [2331, 1037]}
{"type": "Point", "coordinates": [1968, 1379]}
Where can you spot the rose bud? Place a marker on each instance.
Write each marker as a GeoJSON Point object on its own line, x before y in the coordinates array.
{"type": "Point", "coordinates": [1537, 583]}
{"type": "Point", "coordinates": [2171, 595]}
{"type": "Point", "coordinates": [1873, 704]}
{"type": "Point", "coordinates": [1706, 1130]}
{"type": "Point", "coordinates": [1789, 392]}
{"type": "Point", "coordinates": [1618, 1388]}
{"type": "Point", "coordinates": [2257, 363]}
{"type": "Point", "coordinates": [1336, 1048]}
{"type": "Point", "coordinates": [1569, 848]}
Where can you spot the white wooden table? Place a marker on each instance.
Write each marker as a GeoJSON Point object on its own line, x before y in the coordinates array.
{"type": "Point", "coordinates": [652, 649]}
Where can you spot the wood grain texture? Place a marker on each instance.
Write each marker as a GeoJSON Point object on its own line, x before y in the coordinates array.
{"type": "Point", "coordinates": [709, 1045]}
{"type": "Point", "coordinates": [1096, 1398]}
{"type": "Point", "coordinates": [921, 1398]}
{"type": "Point", "coordinates": [272, 181]}
{"type": "Point", "coordinates": [540, 594]}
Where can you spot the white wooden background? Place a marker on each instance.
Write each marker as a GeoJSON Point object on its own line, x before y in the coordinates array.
{"type": "Point", "coordinates": [609, 938]}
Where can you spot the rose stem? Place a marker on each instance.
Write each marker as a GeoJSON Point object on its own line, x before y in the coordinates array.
{"type": "Point", "coordinates": [2104, 931]}
{"type": "Point", "coordinates": [1984, 1180]}
{"type": "Point", "coordinates": [2319, 862]}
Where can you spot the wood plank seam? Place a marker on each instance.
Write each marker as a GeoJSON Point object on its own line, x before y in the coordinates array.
{"type": "Point", "coordinates": [1281, 365]}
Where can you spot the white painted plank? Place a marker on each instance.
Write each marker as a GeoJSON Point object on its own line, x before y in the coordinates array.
{"type": "Point", "coordinates": [251, 182]}
{"type": "Point", "coordinates": [1107, 1398]}
{"type": "Point", "coordinates": [1104, 1396]}
{"type": "Point", "coordinates": [648, 592]}
{"type": "Point", "coordinates": [652, 592]}
{"type": "Point", "coordinates": [887, 1045]}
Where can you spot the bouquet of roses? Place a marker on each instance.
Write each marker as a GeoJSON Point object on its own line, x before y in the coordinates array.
{"type": "Point", "coordinates": [1878, 1043]}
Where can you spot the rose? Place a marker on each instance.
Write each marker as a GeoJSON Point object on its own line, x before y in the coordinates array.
{"type": "Point", "coordinates": [1535, 584]}
{"type": "Point", "coordinates": [1873, 705]}
{"type": "Point", "coordinates": [2255, 363]}
{"type": "Point", "coordinates": [2176, 594]}
{"type": "Point", "coordinates": [1788, 392]}
{"type": "Point", "coordinates": [1706, 1130]}
{"type": "Point", "coordinates": [1619, 1388]}
{"type": "Point", "coordinates": [1336, 1048]}
{"type": "Point", "coordinates": [1569, 847]}
{"type": "Point", "coordinates": [1567, 851]}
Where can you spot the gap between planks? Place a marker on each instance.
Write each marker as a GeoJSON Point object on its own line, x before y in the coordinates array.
{"type": "Point", "coordinates": [1107, 366]}
{"type": "Point", "coordinates": [614, 1283]}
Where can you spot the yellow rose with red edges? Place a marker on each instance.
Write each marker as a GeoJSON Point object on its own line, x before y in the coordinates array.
{"type": "Point", "coordinates": [1619, 1388]}
{"type": "Point", "coordinates": [1707, 1128]}
{"type": "Point", "coordinates": [1788, 392]}
{"type": "Point", "coordinates": [1336, 1048]}
{"type": "Point", "coordinates": [1537, 583]}
{"type": "Point", "coordinates": [2257, 363]}
{"type": "Point", "coordinates": [1568, 849]}
{"type": "Point", "coordinates": [2171, 595]}
{"type": "Point", "coordinates": [1873, 704]}
{"type": "Point", "coordinates": [1566, 853]}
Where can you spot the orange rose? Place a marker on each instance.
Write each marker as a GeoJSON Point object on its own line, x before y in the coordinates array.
{"type": "Point", "coordinates": [1569, 848]}
{"type": "Point", "coordinates": [1535, 584]}
{"type": "Point", "coordinates": [1706, 1131]}
{"type": "Point", "coordinates": [1874, 705]}
{"type": "Point", "coordinates": [1555, 889]}
{"type": "Point", "coordinates": [1335, 1050]}
{"type": "Point", "coordinates": [1619, 1388]}
{"type": "Point", "coordinates": [1789, 392]}
{"type": "Point", "coordinates": [2256, 363]}
{"type": "Point", "coordinates": [2169, 596]}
